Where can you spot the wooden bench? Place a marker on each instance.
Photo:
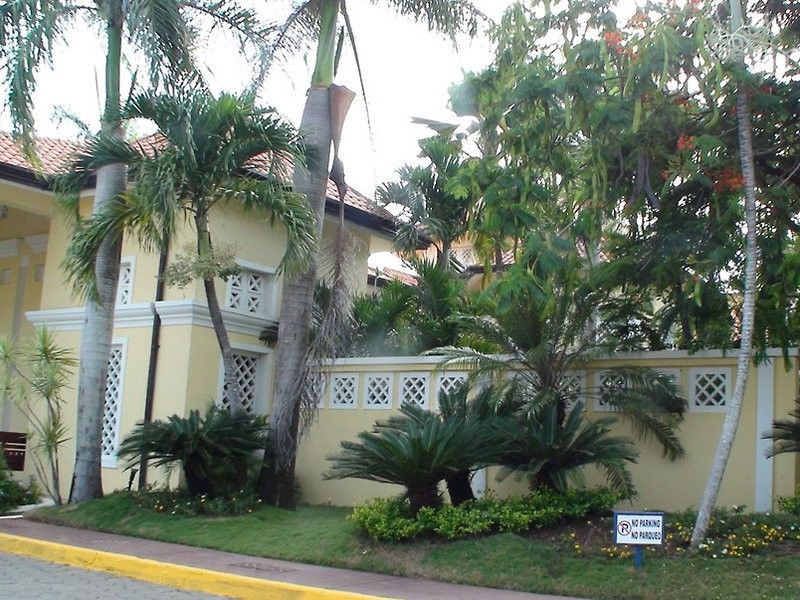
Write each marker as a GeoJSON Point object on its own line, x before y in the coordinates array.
{"type": "Point", "coordinates": [13, 445]}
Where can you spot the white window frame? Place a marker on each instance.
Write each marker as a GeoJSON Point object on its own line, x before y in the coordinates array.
{"type": "Point", "coordinates": [368, 377]}
{"type": "Point", "coordinates": [427, 389]}
{"type": "Point", "coordinates": [332, 389]}
{"type": "Point", "coordinates": [110, 461]}
{"type": "Point", "coordinates": [268, 273]}
{"type": "Point", "coordinates": [694, 373]}
{"type": "Point", "coordinates": [131, 262]}
{"type": "Point", "coordinates": [262, 355]}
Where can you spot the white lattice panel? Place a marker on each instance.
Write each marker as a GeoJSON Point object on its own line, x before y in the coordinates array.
{"type": "Point", "coordinates": [447, 382]}
{"type": "Point", "coordinates": [709, 389]}
{"type": "Point", "coordinates": [607, 384]}
{"type": "Point", "coordinates": [414, 389]}
{"type": "Point", "coordinates": [575, 384]}
{"type": "Point", "coordinates": [246, 292]}
{"type": "Point", "coordinates": [125, 283]}
{"type": "Point", "coordinates": [378, 391]}
{"type": "Point", "coordinates": [112, 405]}
{"type": "Point", "coordinates": [247, 376]}
{"type": "Point", "coordinates": [344, 388]}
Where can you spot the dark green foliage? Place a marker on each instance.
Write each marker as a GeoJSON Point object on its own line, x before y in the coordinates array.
{"type": "Point", "coordinates": [416, 450]}
{"type": "Point", "coordinates": [785, 434]}
{"type": "Point", "coordinates": [790, 504]}
{"type": "Point", "coordinates": [391, 519]}
{"type": "Point", "coordinates": [12, 492]}
{"type": "Point", "coordinates": [213, 450]}
{"type": "Point", "coordinates": [551, 452]}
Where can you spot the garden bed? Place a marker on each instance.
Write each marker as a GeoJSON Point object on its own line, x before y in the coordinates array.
{"type": "Point", "coordinates": [544, 560]}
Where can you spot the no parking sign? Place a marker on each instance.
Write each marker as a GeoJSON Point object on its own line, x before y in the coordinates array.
{"type": "Point", "coordinates": [639, 529]}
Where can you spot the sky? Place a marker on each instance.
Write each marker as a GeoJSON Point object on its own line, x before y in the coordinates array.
{"type": "Point", "coordinates": [407, 72]}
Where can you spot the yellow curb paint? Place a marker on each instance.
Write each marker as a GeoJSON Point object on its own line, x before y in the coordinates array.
{"type": "Point", "coordinates": [179, 576]}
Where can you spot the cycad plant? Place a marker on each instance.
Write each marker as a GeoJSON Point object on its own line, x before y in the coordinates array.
{"type": "Point", "coordinates": [785, 433]}
{"type": "Point", "coordinates": [552, 452]}
{"type": "Point", "coordinates": [211, 449]}
{"type": "Point", "coordinates": [416, 450]}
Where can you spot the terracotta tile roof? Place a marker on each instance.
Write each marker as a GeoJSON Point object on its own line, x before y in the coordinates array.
{"type": "Point", "coordinates": [54, 155]}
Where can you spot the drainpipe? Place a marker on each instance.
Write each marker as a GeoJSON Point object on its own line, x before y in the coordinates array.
{"type": "Point", "coordinates": [155, 344]}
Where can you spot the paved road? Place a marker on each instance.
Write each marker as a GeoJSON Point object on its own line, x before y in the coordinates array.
{"type": "Point", "coordinates": [23, 578]}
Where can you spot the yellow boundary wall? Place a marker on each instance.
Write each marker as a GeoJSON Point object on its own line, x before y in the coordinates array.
{"type": "Point", "coordinates": [178, 576]}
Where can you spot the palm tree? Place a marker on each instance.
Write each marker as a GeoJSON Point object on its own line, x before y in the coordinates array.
{"type": "Point", "coordinates": [734, 408]}
{"type": "Point", "coordinates": [318, 20]}
{"type": "Point", "coordinates": [430, 208]}
{"type": "Point", "coordinates": [162, 30]}
{"type": "Point", "coordinates": [204, 157]}
{"type": "Point", "coordinates": [545, 328]}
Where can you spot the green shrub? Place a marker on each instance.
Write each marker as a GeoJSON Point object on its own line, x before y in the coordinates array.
{"type": "Point", "coordinates": [213, 450]}
{"type": "Point", "coordinates": [790, 504]}
{"type": "Point", "coordinates": [12, 492]}
{"type": "Point", "coordinates": [391, 520]}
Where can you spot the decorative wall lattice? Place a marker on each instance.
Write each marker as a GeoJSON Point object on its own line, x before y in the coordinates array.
{"type": "Point", "coordinates": [247, 375]}
{"type": "Point", "coordinates": [125, 283]}
{"type": "Point", "coordinates": [576, 387]}
{"type": "Point", "coordinates": [709, 389]}
{"type": "Point", "coordinates": [247, 293]}
{"type": "Point", "coordinates": [112, 405]}
{"type": "Point", "coordinates": [378, 391]}
{"type": "Point", "coordinates": [607, 383]}
{"type": "Point", "coordinates": [344, 388]}
{"type": "Point", "coordinates": [414, 389]}
{"type": "Point", "coordinates": [447, 382]}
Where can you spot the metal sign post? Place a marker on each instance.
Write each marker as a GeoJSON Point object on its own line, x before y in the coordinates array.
{"type": "Point", "coordinates": [639, 529]}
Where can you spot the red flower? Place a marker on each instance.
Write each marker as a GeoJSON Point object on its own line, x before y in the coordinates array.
{"type": "Point", "coordinates": [685, 142]}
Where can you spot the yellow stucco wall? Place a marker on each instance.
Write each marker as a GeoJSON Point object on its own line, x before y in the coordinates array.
{"type": "Point", "coordinates": [661, 485]}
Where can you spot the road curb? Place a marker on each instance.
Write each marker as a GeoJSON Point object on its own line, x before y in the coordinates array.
{"type": "Point", "coordinates": [178, 576]}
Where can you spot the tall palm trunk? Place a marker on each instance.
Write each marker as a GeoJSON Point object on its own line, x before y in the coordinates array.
{"type": "Point", "coordinates": [276, 484]}
{"type": "Point", "coordinates": [734, 411]}
{"type": "Point", "coordinates": [233, 392]}
{"type": "Point", "coordinates": [98, 324]}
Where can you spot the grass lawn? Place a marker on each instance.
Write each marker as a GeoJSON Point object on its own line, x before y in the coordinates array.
{"type": "Point", "coordinates": [537, 563]}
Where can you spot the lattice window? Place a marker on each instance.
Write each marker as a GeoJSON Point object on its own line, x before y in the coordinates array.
{"type": "Point", "coordinates": [447, 382]}
{"type": "Point", "coordinates": [709, 389]}
{"type": "Point", "coordinates": [608, 383]}
{"type": "Point", "coordinates": [414, 389]}
{"type": "Point", "coordinates": [378, 393]}
{"type": "Point", "coordinates": [125, 282]}
{"type": "Point", "coordinates": [112, 406]}
{"type": "Point", "coordinates": [343, 390]}
{"type": "Point", "coordinates": [247, 292]}
{"type": "Point", "coordinates": [575, 383]}
{"type": "Point", "coordinates": [247, 376]}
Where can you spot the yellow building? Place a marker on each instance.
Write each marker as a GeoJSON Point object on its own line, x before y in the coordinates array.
{"type": "Point", "coordinates": [188, 375]}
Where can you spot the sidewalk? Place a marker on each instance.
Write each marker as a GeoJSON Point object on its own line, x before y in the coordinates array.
{"type": "Point", "coordinates": [261, 568]}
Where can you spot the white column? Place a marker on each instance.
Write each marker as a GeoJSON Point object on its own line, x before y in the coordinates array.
{"type": "Point", "coordinates": [765, 413]}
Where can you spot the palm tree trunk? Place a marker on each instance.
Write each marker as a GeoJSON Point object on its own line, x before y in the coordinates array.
{"type": "Point", "coordinates": [459, 488]}
{"type": "Point", "coordinates": [276, 482]}
{"type": "Point", "coordinates": [734, 411]}
{"type": "Point", "coordinates": [423, 497]}
{"type": "Point", "coordinates": [98, 323]}
{"type": "Point", "coordinates": [444, 256]}
{"type": "Point", "coordinates": [233, 392]}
